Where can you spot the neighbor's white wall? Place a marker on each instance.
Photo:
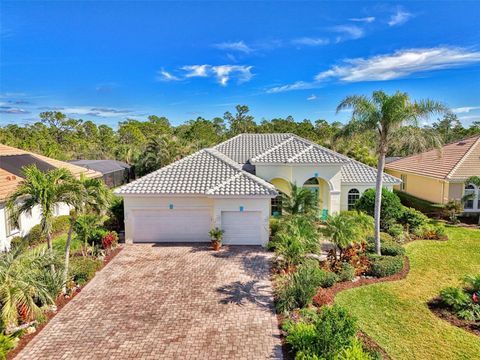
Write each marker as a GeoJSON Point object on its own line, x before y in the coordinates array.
{"type": "Point", "coordinates": [4, 243]}
{"type": "Point", "coordinates": [234, 204]}
{"type": "Point", "coordinates": [131, 204]}
{"type": "Point", "coordinates": [361, 188]}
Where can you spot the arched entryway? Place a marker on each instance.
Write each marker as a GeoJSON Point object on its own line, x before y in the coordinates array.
{"type": "Point", "coordinates": [321, 191]}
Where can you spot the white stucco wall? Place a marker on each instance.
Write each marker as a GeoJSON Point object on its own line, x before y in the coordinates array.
{"type": "Point", "coordinates": [215, 205]}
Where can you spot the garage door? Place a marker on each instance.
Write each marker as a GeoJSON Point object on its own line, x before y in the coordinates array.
{"type": "Point", "coordinates": [242, 228]}
{"type": "Point", "coordinates": [175, 225]}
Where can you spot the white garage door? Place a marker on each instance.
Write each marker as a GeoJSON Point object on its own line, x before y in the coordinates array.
{"type": "Point", "coordinates": [171, 225]}
{"type": "Point", "coordinates": [242, 228]}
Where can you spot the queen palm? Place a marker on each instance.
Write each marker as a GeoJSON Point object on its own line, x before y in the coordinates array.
{"type": "Point", "coordinates": [386, 114]}
{"type": "Point", "coordinates": [42, 190]}
{"type": "Point", "coordinates": [90, 196]}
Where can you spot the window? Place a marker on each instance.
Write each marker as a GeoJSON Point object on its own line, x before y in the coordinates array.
{"type": "Point", "coordinates": [353, 196]}
{"type": "Point", "coordinates": [10, 228]}
{"type": "Point", "coordinates": [277, 205]}
{"type": "Point", "coordinates": [403, 185]}
{"type": "Point", "coordinates": [470, 192]}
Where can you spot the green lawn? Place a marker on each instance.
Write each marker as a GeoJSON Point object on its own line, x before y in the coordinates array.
{"type": "Point", "coordinates": [395, 314]}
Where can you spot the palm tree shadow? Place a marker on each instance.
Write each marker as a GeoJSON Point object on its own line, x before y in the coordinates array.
{"type": "Point", "coordinates": [242, 293]}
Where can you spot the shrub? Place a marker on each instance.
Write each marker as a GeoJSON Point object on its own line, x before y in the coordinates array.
{"type": "Point", "coordinates": [83, 269]}
{"type": "Point", "coordinates": [412, 219]}
{"type": "Point", "coordinates": [7, 343]}
{"type": "Point", "coordinates": [395, 230]}
{"type": "Point", "coordinates": [390, 211]}
{"type": "Point", "coordinates": [382, 266]}
{"type": "Point", "coordinates": [346, 272]}
{"type": "Point", "coordinates": [60, 225]}
{"type": "Point", "coordinates": [109, 240]}
{"type": "Point", "coordinates": [116, 213]}
{"type": "Point", "coordinates": [296, 290]}
{"type": "Point", "coordinates": [325, 335]}
{"type": "Point", "coordinates": [424, 206]}
{"type": "Point", "coordinates": [463, 302]}
{"type": "Point", "coordinates": [354, 352]}
{"type": "Point", "coordinates": [388, 249]}
{"type": "Point", "coordinates": [430, 231]}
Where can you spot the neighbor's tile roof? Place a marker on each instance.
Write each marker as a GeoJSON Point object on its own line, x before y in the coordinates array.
{"type": "Point", "coordinates": [206, 172]}
{"type": "Point", "coordinates": [9, 181]}
{"type": "Point", "coordinates": [444, 163]}
{"type": "Point", "coordinates": [355, 172]}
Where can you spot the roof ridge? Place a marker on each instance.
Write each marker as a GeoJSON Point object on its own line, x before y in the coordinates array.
{"type": "Point", "coordinates": [273, 148]}
{"type": "Point", "coordinates": [468, 152]}
{"type": "Point", "coordinates": [300, 153]}
{"type": "Point", "coordinates": [222, 184]}
{"type": "Point", "coordinates": [321, 147]}
{"type": "Point", "coordinates": [226, 141]}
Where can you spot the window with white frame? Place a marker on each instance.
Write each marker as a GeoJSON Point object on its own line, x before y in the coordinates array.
{"type": "Point", "coordinates": [10, 227]}
{"type": "Point", "coordinates": [353, 196]}
{"type": "Point", "coordinates": [277, 204]}
{"type": "Point", "coordinates": [469, 197]}
{"type": "Point", "coordinates": [403, 185]}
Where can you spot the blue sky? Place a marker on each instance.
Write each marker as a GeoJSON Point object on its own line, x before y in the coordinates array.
{"type": "Point", "coordinates": [106, 61]}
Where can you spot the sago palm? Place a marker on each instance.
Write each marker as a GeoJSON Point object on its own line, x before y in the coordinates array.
{"type": "Point", "coordinates": [386, 114]}
{"type": "Point", "coordinates": [42, 190]}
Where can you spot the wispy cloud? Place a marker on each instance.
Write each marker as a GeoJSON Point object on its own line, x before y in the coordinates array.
{"type": "Point", "coordinates": [222, 73]}
{"type": "Point", "coordinates": [234, 46]}
{"type": "Point", "coordinates": [312, 97]}
{"type": "Point", "coordinates": [5, 109]}
{"type": "Point", "coordinates": [465, 109]}
{"type": "Point", "coordinates": [368, 19]}
{"type": "Point", "coordinates": [348, 32]}
{"type": "Point", "coordinates": [310, 41]}
{"type": "Point", "coordinates": [103, 112]}
{"type": "Point", "coordinates": [400, 64]}
{"type": "Point", "coordinates": [399, 18]}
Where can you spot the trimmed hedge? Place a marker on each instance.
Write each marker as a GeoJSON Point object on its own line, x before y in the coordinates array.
{"type": "Point", "coordinates": [388, 249]}
{"type": "Point", "coordinates": [60, 225]}
{"type": "Point", "coordinates": [424, 206]}
{"type": "Point", "coordinates": [391, 208]}
{"type": "Point", "coordinates": [383, 266]}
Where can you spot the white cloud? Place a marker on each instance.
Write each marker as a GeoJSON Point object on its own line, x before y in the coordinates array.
{"type": "Point", "coordinates": [196, 70]}
{"type": "Point", "coordinates": [234, 46]}
{"type": "Point", "coordinates": [399, 18]}
{"type": "Point", "coordinates": [348, 32]}
{"type": "Point", "coordinates": [223, 73]}
{"type": "Point", "coordinates": [163, 75]}
{"type": "Point", "coordinates": [312, 97]}
{"type": "Point", "coordinates": [93, 111]}
{"type": "Point", "coordinates": [310, 41]}
{"type": "Point", "coordinates": [368, 19]}
{"type": "Point", "coordinates": [465, 109]}
{"type": "Point", "coordinates": [400, 64]}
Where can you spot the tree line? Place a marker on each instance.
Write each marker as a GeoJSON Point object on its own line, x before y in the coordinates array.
{"type": "Point", "coordinates": [155, 142]}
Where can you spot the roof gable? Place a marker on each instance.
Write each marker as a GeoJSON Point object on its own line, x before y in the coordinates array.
{"type": "Point", "coordinates": [444, 163]}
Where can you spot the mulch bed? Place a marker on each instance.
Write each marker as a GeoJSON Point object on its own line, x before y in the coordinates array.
{"type": "Point", "coordinates": [59, 303]}
{"type": "Point", "coordinates": [372, 345]}
{"type": "Point", "coordinates": [436, 306]}
{"type": "Point", "coordinates": [326, 296]}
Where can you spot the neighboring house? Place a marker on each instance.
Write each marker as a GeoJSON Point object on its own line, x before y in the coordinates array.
{"type": "Point", "coordinates": [12, 161]}
{"type": "Point", "coordinates": [114, 172]}
{"type": "Point", "coordinates": [439, 175]}
{"type": "Point", "coordinates": [236, 185]}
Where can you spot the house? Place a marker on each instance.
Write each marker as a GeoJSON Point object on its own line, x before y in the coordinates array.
{"type": "Point", "coordinates": [439, 175]}
{"type": "Point", "coordinates": [114, 173]}
{"type": "Point", "coordinates": [236, 186]}
{"type": "Point", "coordinates": [12, 161]}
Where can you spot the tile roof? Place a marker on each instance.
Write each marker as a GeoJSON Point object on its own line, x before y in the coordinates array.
{"type": "Point", "coordinates": [9, 181]}
{"type": "Point", "coordinates": [207, 172]}
{"type": "Point", "coordinates": [355, 172]}
{"type": "Point", "coordinates": [442, 163]}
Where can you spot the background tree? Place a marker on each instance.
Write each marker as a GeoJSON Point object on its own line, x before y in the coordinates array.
{"type": "Point", "coordinates": [386, 114]}
{"type": "Point", "coordinates": [241, 122]}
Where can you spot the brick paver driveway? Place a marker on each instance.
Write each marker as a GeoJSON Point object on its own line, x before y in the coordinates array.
{"type": "Point", "coordinates": [168, 302]}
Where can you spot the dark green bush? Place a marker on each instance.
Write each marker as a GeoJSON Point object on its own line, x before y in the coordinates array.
{"type": "Point", "coordinates": [395, 230]}
{"type": "Point", "coordinates": [297, 290]}
{"type": "Point", "coordinates": [388, 249]}
{"type": "Point", "coordinates": [323, 336]}
{"type": "Point", "coordinates": [83, 269]}
{"type": "Point", "coordinates": [346, 272]}
{"type": "Point", "coordinates": [116, 215]}
{"type": "Point", "coordinates": [382, 266]}
{"type": "Point", "coordinates": [60, 225]}
{"type": "Point", "coordinates": [391, 209]}
{"type": "Point", "coordinates": [424, 206]}
{"type": "Point", "coordinates": [413, 219]}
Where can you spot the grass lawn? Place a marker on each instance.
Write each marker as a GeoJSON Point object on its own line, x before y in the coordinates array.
{"type": "Point", "coordinates": [395, 314]}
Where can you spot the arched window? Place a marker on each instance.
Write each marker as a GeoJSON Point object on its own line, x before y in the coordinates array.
{"type": "Point", "coordinates": [470, 196]}
{"type": "Point", "coordinates": [353, 196]}
{"type": "Point", "coordinates": [277, 204]}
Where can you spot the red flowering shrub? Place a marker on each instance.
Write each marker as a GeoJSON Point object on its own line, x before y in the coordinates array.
{"type": "Point", "coordinates": [109, 240]}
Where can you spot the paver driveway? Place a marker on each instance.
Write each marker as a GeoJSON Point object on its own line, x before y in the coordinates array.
{"type": "Point", "coordinates": [168, 302]}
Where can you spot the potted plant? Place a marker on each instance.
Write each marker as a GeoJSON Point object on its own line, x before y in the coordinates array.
{"type": "Point", "coordinates": [216, 236]}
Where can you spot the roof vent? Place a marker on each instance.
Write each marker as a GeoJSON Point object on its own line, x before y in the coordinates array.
{"type": "Point", "coordinates": [461, 143]}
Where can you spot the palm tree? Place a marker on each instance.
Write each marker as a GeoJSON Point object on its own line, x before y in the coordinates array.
{"type": "Point", "coordinates": [43, 190]}
{"type": "Point", "coordinates": [300, 200]}
{"type": "Point", "coordinates": [92, 196]}
{"type": "Point", "coordinates": [159, 152]}
{"type": "Point", "coordinates": [386, 114]}
{"type": "Point", "coordinates": [22, 291]}
{"type": "Point", "coordinates": [474, 180]}
{"type": "Point", "coordinates": [85, 227]}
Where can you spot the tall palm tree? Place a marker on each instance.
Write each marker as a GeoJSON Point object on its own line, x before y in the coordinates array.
{"type": "Point", "coordinates": [386, 114]}
{"type": "Point", "coordinates": [92, 196]}
{"type": "Point", "coordinates": [300, 200]}
{"type": "Point", "coordinates": [42, 189]}
{"type": "Point", "coordinates": [159, 152]}
{"type": "Point", "coordinates": [474, 180]}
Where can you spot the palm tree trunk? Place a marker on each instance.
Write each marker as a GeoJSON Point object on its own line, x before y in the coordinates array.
{"type": "Point", "coordinates": [378, 198]}
{"type": "Point", "coordinates": [50, 249]}
{"type": "Point", "coordinates": [67, 255]}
